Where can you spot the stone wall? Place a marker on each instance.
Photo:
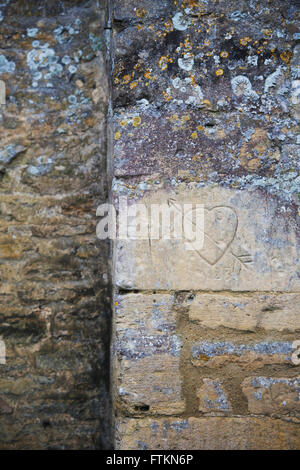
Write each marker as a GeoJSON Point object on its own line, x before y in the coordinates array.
{"type": "Point", "coordinates": [55, 308]}
{"type": "Point", "coordinates": [206, 110]}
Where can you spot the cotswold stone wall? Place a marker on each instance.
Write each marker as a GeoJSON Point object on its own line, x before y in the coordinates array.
{"type": "Point", "coordinates": [55, 310]}
{"type": "Point", "coordinates": [206, 110]}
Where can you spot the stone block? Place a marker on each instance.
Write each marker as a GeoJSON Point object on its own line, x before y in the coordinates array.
{"type": "Point", "coordinates": [272, 395]}
{"type": "Point", "coordinates": [246, 312]}
{"type": "Point", "coordinates": [147, 363]}
{"type": "Point", "coordinates": [236, 255]}
{"type": "Point", "coordinates": [213, 433]}
{"type": "Point", "coordinates": [248, 356]}
{"type": "Point", "coordinates": [212, 397]}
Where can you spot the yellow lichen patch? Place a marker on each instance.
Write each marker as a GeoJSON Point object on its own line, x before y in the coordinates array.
{"type": "Point", "coordinates": [200, 128]}
{"type": "Point", "coordinates": [286, 56]}
{"type": "Point", "coordinates": [148, 75]}
{"type": "Point", "coordinates": [185, 118]}
{"type": "Point", "coordinates": [123, 123]}
{"type": "Point", "coordinates": [194, 135]}
{"type": "Point", "coordinates": [139, 27]}
{"type": "Point", "coordinates": [244, 41]}
{"type": "Point", "coordinates": [224, 54]}
{"type": "Point", "coordinates": [173, 118]}
{"type": "Point", "coordinates": [254, 163]}
{"type": "Point", "coordinates": [267, 32]}
{"type": "Point", "coordinates": [187, 45]}
{"type": "Point", "coordinates": [219, 72]}
{"type": "Point", "coordinates": [163, 62]}
{"type": "Point", "coordinates": [193, 82]}
{"type": "Point", "coordinates": [136, 121]}
{"type": "Point", "coordinates": [126, 79]}
{"type": "Point", "coordinates": [203, 357]}
{"type": "Point", "coordinates": [133, 85]}
{"type": "Point", "coordinates": [257, 145]}
{"type": "Point", "coordinates": [166, 96]}
{"type": "Point", "coordinates": [140, 12]}
{"type": "Point", "coordinates": [169, 26]}
{"type": "Point", "coordinates": [117, 135]}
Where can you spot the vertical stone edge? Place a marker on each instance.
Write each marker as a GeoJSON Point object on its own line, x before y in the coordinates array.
{"type": "Point", "coordinates": [109, 173]}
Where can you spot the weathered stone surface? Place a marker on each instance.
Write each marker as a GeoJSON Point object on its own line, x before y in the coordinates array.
{"type": "Point", "coordinates": [126, 10]}
{"type": "Point", "coordinates": [212, 397]}
{"type": "Point", "coordinates": [150, 386]}
{"type": "Point", "coordinates": [235, 255]}
{"type": "Point", "coordinates": [273, 395]}
{"type": "Point", "coordinates": [214, 433]}
{"type": "Point", "coordinates": [248, 356]}
{"type": "Point", "coordinates": [240, 312]}
{"type": "Point", "coordinates": [54, 313]}
{"type": "Point", "coordinates": [147, 364]}
{"type": "Point", "coordinates": [208, 92]}
{"type": "Point", "coordinates": [206, 110]}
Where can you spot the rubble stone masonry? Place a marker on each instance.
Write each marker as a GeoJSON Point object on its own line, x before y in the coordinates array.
{"type": "Point", "coordinates": [54, 288]}
{"type": "Point", "coordinates": [148, 343]}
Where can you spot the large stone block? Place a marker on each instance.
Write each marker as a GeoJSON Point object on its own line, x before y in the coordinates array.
{"type": "Point", "coordinates": [272, 395]}
{"type": "Point", "coordinates": [236, 255]}
{"type": "Point", "coordinates": [212, 397]}
{"type": "Point", "coordinates": [214, 433]}
{"type": "Point", "coordinates": [147, 364]}
{"type": "Point", "coordinates": [246, 312]}
{"type": "Point", "coordinates": [248, 356]}
{"type": "Point", "coordinates": [151, 385]}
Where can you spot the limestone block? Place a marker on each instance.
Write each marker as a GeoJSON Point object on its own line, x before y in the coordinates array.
{"type": "Point", "coordinates": [247, 312]}
{"type": "Point", "coordinates": [247, 246]}
{"type": "Point", "coordinates": [151, 385]}
{"type": "Point", "coordinates": [212, 397]}
{"type": "Point", "coordinates": [214, 433]}
{"type": "Point", "coordinates": [272, 395]}
{"type": "Point", "coordinates": [249, 356]}
{"type": "Point", "coordinates": [146, 356]}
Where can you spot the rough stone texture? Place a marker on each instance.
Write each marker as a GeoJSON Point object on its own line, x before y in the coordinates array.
{"type": "Point", "coordinates": [220, 80]}
{"type": "Point", "coordinates": [147, 354]}
{"type": "Point", "coordinates": [206, 110]}
{"type": "Point", "coordinates": [272, 395]}
{"type": "Point", "coordinates": [54, 313]}
{"type": "Point", "coordinates": [212, 397]}
{"type": "Point", "coordinates": [212, 354]}
{"type": "Point", "coordinates": [207, 434]}
{"type": "Point", "coordinates": [236, 255]}
{"type": "Point", "coordinates": [270, 312]}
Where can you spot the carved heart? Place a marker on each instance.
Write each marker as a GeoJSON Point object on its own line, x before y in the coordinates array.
{"type": "Point", "coordinates": [220, 224]}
